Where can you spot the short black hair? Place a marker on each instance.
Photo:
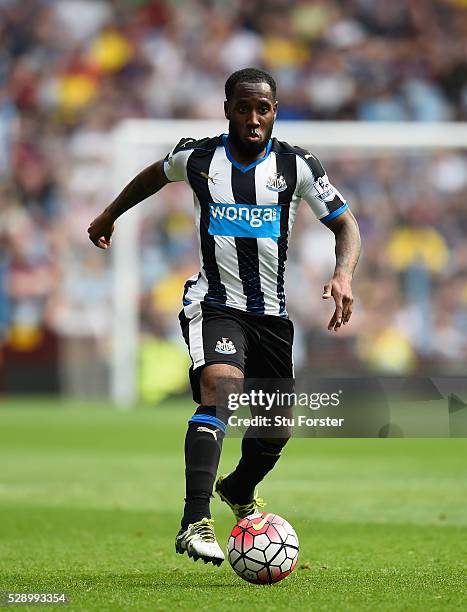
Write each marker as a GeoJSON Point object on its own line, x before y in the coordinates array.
{"type": "Point", "coordinates": [249, 75]}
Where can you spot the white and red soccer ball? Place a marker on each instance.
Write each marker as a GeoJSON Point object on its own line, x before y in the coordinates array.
{"type": "Point", "coordinates": [263, 548]}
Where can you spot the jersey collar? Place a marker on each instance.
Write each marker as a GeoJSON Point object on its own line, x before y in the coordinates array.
{"type": "Point", "coordinates": [236, 164]}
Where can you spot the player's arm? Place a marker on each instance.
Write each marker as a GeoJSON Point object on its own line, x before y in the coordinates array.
{"type": "Point", "coordinates": [332, 210]}
{"type": "Point", "coordinates": [145, 184]}
{"type": "Point", "coordinates": [348, 244]}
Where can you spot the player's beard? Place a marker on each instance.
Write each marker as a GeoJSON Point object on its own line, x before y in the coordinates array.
{"type": "Point", "coordinates": [248, 148]}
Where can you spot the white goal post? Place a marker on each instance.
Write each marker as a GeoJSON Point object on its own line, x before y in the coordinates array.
{"type": "Point", "coordinates": [138, 142]}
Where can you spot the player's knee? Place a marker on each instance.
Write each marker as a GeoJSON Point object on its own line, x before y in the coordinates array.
{"type": "Point", "coordinates": [218, 381]}
{"type": "Point", "coordinates": [277, 443]}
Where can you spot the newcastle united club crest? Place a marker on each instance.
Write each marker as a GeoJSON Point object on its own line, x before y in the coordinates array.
{"type": "Point", "coordinates": [276, 182]}
{"type": "Point", "coordinates": [225, 346]}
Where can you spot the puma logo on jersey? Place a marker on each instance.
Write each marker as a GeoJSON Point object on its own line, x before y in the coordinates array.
{"type": "Point", "coordinates": [187, 141]}
{"type": "Point", "coordinates": [207, 430]}
{"type": "Point", "coordinates": [207, 177]}
{"type": "Point", "coordinates": [225, 346]}
{"type": "Point", "coordinates": [276, 182]}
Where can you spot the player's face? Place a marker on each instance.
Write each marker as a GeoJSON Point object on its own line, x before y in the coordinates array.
{"type": "Point", "coordinates": [251, 113]}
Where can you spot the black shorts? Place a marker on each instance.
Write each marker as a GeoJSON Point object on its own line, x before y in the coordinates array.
{"type": "Point", "coordinates": [259, 345]}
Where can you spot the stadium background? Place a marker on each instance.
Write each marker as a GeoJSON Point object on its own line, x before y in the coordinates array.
{"type": "Point", "coordinates": [90, 497]}
{"type": "Point", "coordinates": [71, 70]}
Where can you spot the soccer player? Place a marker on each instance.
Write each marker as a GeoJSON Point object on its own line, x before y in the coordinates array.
{"type": "Point", "coordinates": [246, 187]}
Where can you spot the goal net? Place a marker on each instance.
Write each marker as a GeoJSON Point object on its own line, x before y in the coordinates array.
{"type": "Point", "coordinates": [405, 182]}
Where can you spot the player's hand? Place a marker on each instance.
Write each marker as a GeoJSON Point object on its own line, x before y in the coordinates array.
{"type": "Point", "coordinates": [340, 288]}
{"type": "Point", "coordinates": [101, 229]}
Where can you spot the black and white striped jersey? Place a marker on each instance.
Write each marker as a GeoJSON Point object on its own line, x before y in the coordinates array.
{"type": "Point", "coordinates": [244, 216]}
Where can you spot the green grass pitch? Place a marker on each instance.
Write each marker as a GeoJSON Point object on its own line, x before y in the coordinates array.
{"type": "Point", "coordinates": [90, 501]}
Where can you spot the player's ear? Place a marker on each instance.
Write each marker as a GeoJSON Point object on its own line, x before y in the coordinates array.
{"type": "Point", "coordinates": [275, 106]}
{"type": "Point", "coordinates": [227, 109]}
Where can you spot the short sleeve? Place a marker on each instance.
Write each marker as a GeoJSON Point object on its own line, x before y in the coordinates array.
{"type": "Point", "coordinates": [315, 188]}
{"type": "Point", "coordinates": [175, 162]}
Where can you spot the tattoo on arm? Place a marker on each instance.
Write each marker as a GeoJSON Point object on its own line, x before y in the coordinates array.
{"type": "Point", "coordinates": [348, 245]}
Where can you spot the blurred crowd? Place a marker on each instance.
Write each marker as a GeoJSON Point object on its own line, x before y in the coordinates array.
{"type": "Point", "coordinates": [70, 70]}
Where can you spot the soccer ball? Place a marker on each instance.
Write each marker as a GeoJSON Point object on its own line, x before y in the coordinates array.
{"type": "Point", "coordinates": [263, 548]}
